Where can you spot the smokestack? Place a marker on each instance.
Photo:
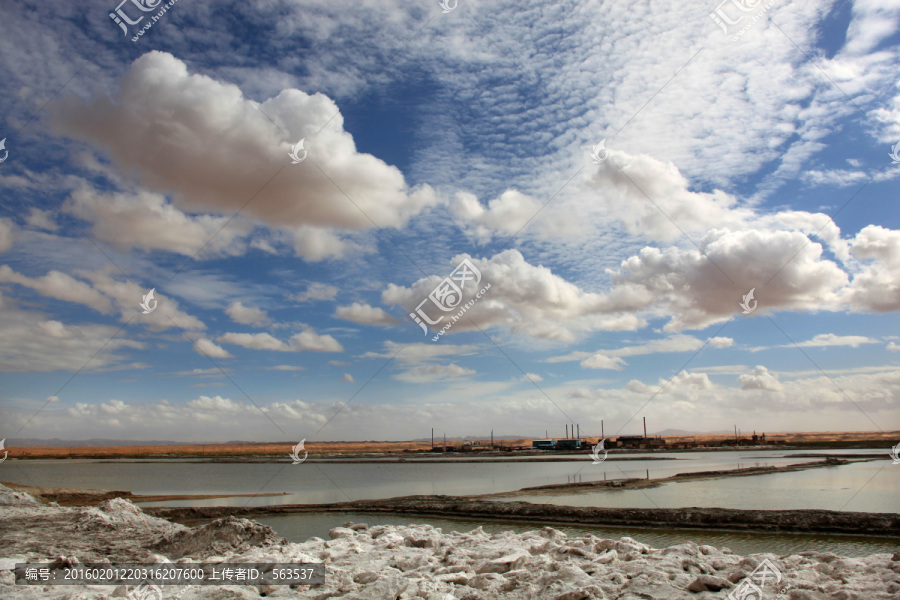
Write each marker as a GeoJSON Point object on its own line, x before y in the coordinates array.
{"type": "Point", "coordinates": [492, 439]}
{"type": "Point", "coordinates": [645, 426]}
{"type": "Point", "coordinates": [432, 439]}
{"type": "Point", "coordinates": [601, 429]}
{"type": "Point", "coordinates": [567, 431]}
{"type": "Point", "coordinates": [579, 431]}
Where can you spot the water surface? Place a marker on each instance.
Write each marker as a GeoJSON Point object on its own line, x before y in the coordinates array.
{"type": "Point", "coordinates": [865, 487]}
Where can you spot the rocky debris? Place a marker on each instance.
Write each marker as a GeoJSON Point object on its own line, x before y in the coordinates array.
{"type": "Point", "coordinates": [230, 534]}
{"type": "Point", "coordinates": [116, 530]}
{"type": "Point", "coordinates": [422, 562]}
{"type": "Point", "coordinates": [708, 583]}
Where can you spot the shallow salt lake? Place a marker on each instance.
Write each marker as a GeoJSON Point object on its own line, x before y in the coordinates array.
{"type": "Point", "coordinates": [870, 487]}
{"type": "Point", "coordinates": [866, 487]}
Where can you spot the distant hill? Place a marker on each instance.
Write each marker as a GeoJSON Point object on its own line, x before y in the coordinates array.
{"type": "Point", "coordinates": [474, 438]}
{"type": "Point", "coordinates": [58, 443]}
{"type": "Point", "coordinates": [686, 432]}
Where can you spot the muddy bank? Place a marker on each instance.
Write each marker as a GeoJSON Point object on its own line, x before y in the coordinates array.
{"type": "Point", "coordinates": [637, 483]}
{"type": "Point", "coordinates": [453, 459]}
{"type": "Point", "coordinates": [794, 521]}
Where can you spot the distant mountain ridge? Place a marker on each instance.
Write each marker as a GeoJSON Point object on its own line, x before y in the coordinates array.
{"type": "Point", "coordinates": [56, 442]}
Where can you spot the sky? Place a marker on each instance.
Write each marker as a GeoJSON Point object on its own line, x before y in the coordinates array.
{"type": "Point", "coordinates": [681, 211]}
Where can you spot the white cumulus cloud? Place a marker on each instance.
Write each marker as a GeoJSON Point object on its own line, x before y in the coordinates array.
{"type": "Point", "coordinates": [212, 148]}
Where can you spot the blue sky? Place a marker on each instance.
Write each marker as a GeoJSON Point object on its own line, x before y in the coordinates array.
{"type": "Point", "coordinates": [753, 159]}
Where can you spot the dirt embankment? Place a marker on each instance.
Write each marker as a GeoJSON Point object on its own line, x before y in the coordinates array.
{"type": "Point", "coordinates": [636, 483]}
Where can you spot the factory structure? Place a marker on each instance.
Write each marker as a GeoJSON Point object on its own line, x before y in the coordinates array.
{"type": "Point", "coordinates": [574, 441]}
{"type": "Point", "coordinates": [642, 442]}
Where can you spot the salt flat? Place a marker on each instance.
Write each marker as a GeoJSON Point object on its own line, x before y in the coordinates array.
{"type": "Point", "coordinates": [416, 561]}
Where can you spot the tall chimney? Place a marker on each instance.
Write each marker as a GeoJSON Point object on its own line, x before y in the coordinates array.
{"type": "Point", "coordinates": [601, 429]}
{"type": "Point", "coordinates": [579, 431]}
{"type": "Point", "coordinates": [645, 426]}
{"type": "Point", "coordinates": [567, 431]}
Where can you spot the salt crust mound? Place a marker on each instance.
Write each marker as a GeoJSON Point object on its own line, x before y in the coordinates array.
{"type": "Point", "coordinates": [10, 497]}
{"type": "Point", "coordinates": [419, 561]}
{"type": "Point", "coordinates": [222, 535]}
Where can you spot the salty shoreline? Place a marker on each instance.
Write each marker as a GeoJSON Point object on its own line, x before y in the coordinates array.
{"type": "Point", "coordinates": [74, 497]}
{"type": "Point", "coordinates": [413, 561]}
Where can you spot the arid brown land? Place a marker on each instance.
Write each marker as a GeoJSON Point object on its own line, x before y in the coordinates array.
{"type": "Point", "coordinates": [801, 439]}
